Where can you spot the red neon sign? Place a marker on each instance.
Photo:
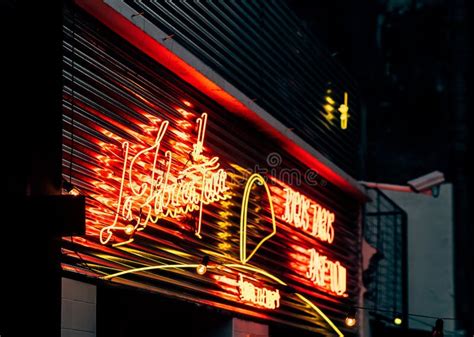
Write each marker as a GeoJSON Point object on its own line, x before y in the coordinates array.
{"type": "Point", "coordinates": [325, 273]}
{"type": "Point", "coordinates": [312, 218]}
{"type": "Point", "coordinates": [250, 293]}
{"type": "Point", "coordinates": [308, 215]}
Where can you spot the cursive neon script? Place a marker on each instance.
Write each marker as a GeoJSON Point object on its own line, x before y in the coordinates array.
{"type": "Point", "coordinates": [308, 215]}
{"type": "Point", "coordinates": [326, 273]}
{"type": "Point", "coordinates": [160, 193]}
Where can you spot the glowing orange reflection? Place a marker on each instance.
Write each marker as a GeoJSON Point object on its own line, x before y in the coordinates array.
{"type": "Point", "coordinates": [153, 193]}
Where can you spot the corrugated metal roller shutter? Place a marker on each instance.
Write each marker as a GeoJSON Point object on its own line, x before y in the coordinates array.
{"type": "Point", "coordinates": [112, 94]}
{"type": "Point", "coordinates": [263, 49]}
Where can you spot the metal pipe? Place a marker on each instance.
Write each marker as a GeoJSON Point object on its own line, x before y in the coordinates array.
{"type": "Point", "coordinates": [391, 187]}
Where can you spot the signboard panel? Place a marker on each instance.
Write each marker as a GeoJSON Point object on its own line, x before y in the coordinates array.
{"type": "Point", "coordinates": [171, 178]}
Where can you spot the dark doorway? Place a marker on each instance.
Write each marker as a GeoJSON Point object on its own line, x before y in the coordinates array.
{"type": "Point", "coordinates": [123, 312]}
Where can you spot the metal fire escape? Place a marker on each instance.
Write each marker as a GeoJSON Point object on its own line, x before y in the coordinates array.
{"type": "Point", "coordinates": [386, 276]}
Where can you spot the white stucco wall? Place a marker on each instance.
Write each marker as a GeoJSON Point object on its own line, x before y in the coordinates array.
{"type": "Point", "coordinates": [430, 255]}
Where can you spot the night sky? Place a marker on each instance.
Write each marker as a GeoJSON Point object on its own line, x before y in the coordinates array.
{"type": "Point", "coordinates": [403, 56]}
{"type": "Point", "coordinates": [413, 62]}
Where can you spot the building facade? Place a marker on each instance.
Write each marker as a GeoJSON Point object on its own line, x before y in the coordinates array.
{"type": "Point", "coordinates": [215, 166]}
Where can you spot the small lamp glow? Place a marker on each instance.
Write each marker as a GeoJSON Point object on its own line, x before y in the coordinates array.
{"type": "Point", "coordinates": [351, 318]}
{"type": "Point", "coordinates": [74, 192]}
{"type": "Point", "coordinates": [129, 229]}
{"type": "Point", "coordinates": [350, 322]}
{"type": "Point", "coordinates": [70, 188]}
{"type": "Point", "coordinates": [397, 319]}
{"type": "Point", "coordinates": [202, 267]}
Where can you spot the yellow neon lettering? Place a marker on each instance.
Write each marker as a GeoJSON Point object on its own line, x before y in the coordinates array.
{"type": "Point", "coordinates": [160, 194]}
{"type": "Point", "coordinates": [308, 215]}
{"type": "Point", "coordinates": [254, 178]}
